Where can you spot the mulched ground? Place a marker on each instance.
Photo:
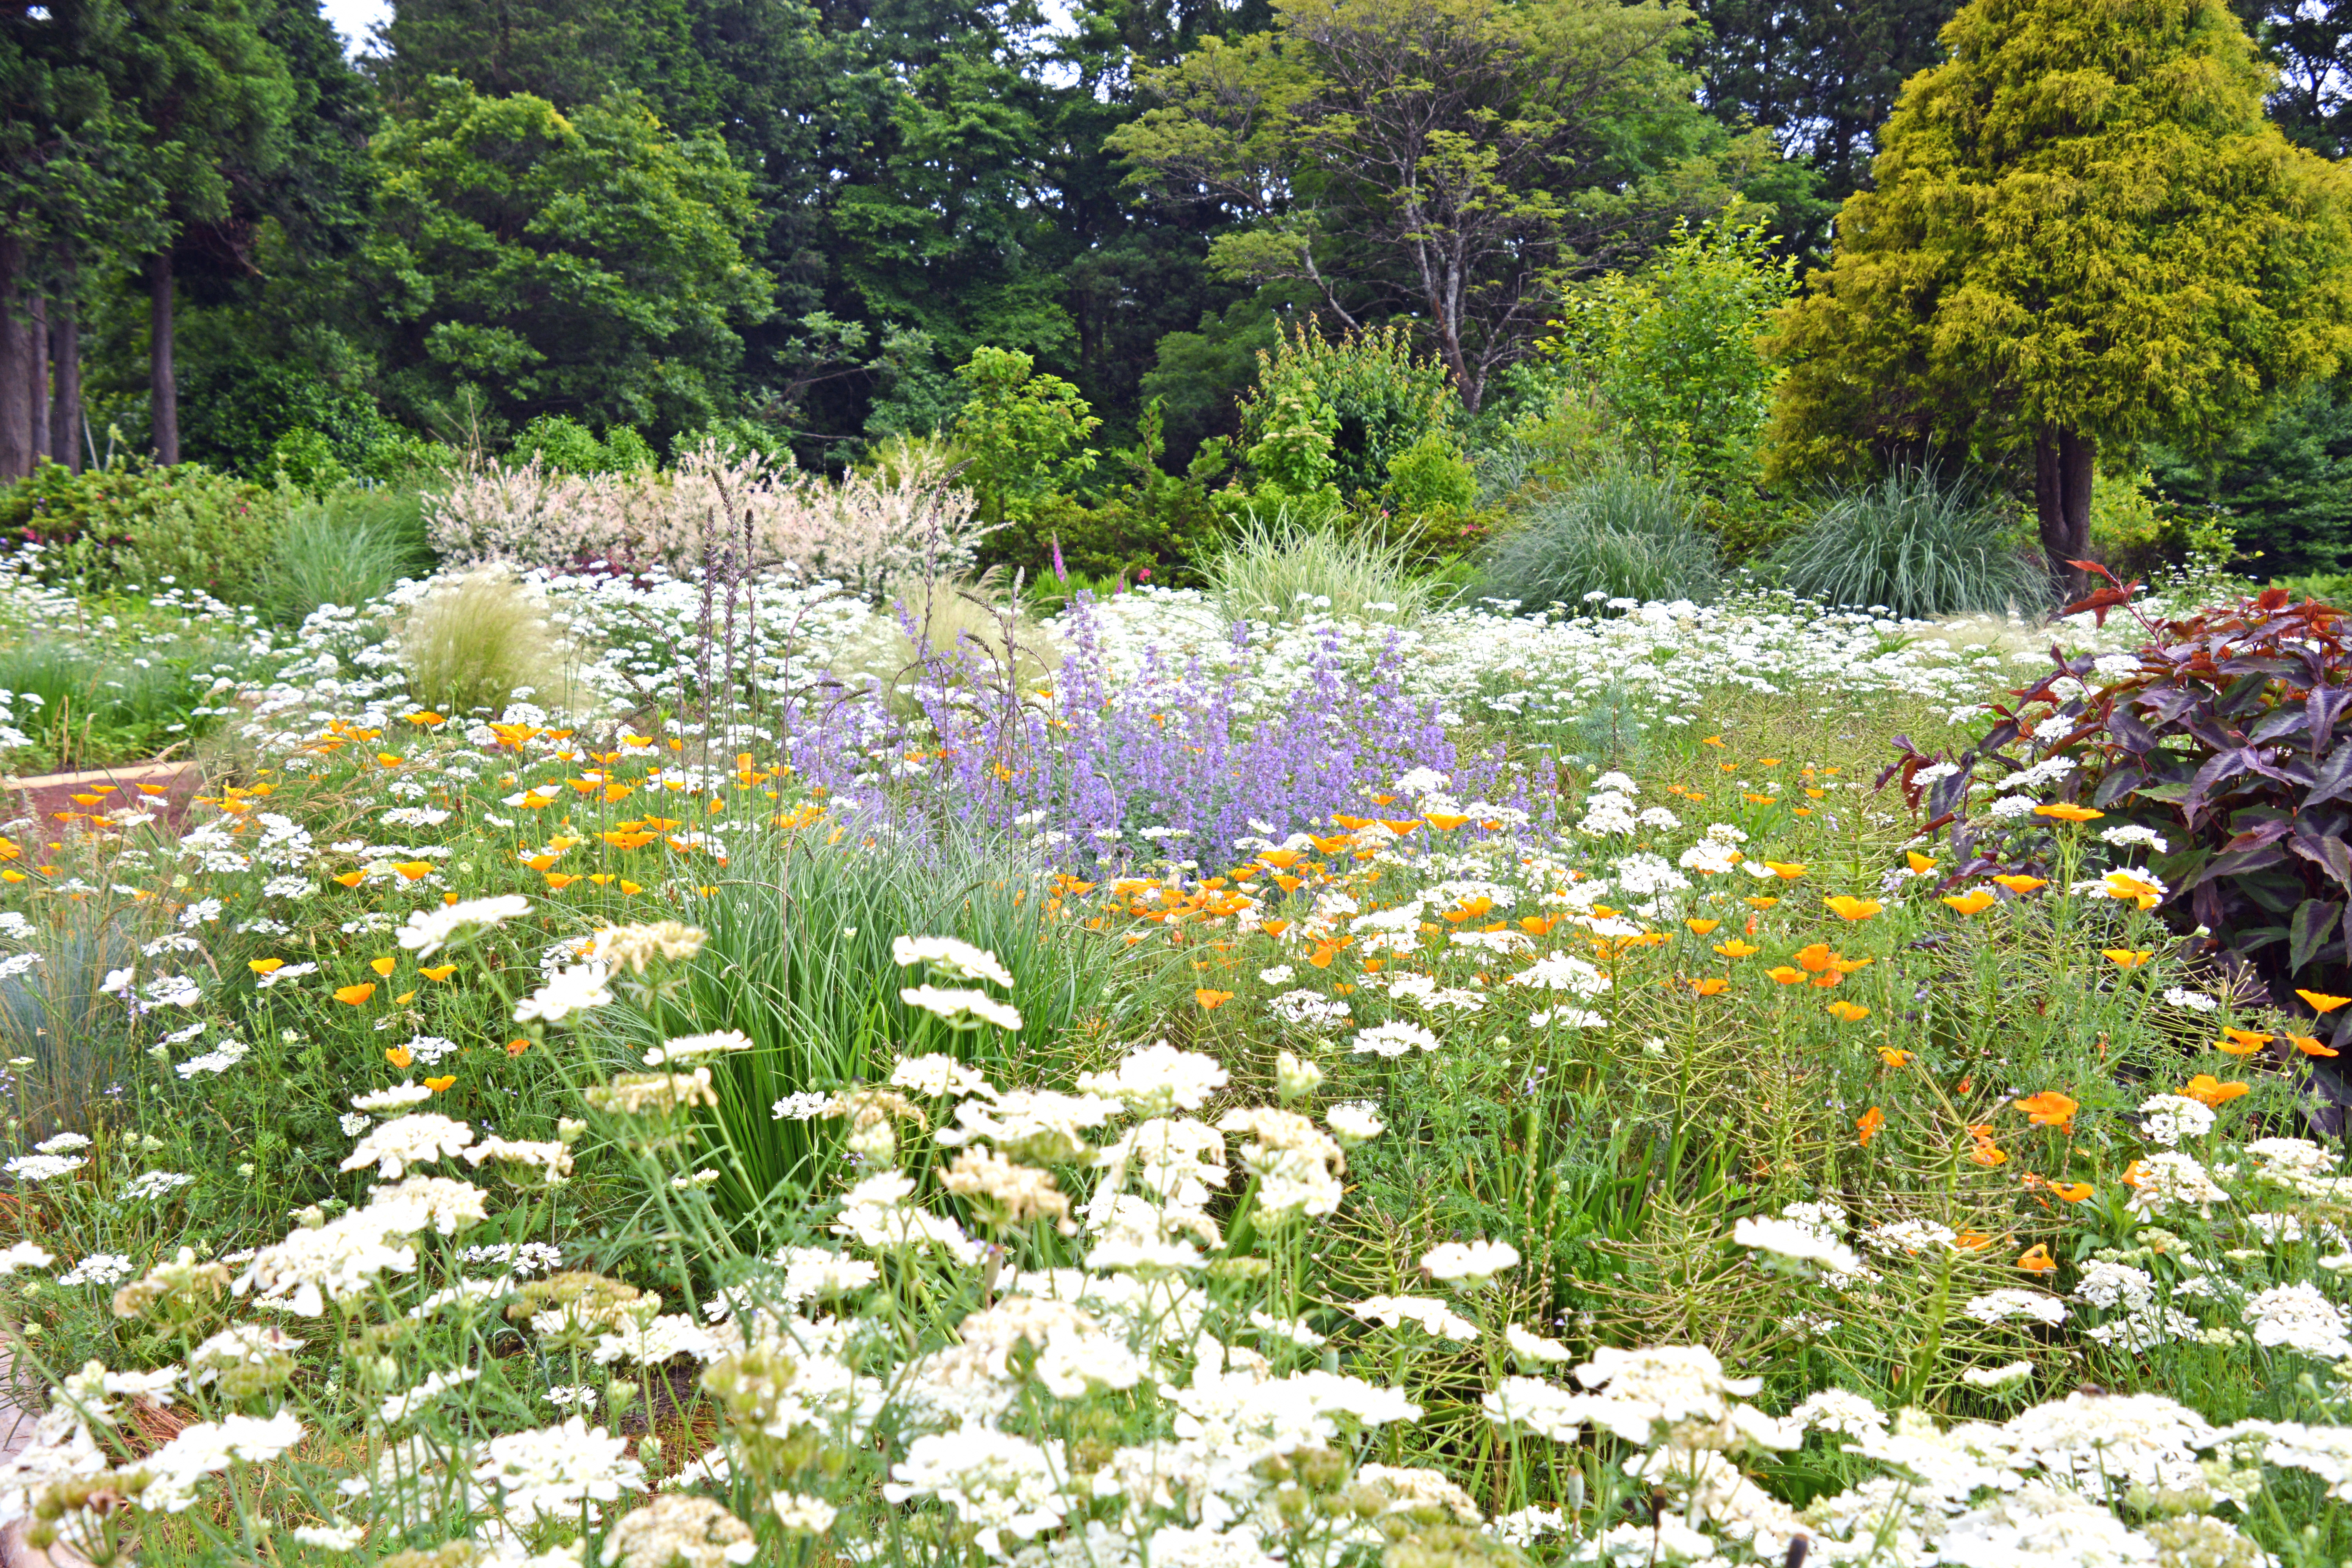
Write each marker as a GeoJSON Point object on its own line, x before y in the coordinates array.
{"type": "Point", "coordinates": [55, 801]}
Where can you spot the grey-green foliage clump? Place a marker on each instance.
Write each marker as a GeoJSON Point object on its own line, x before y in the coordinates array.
{"type": "Point", "coordinates": [345, 548]}
{"type": "Point", "coordinates": [1914, 545]}
{"type": "Point", "coordinates": [1621, 534]}
{"type": "Point", "coordinates": [1279, 568]}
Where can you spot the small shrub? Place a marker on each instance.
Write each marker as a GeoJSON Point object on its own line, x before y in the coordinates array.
{"type": "Point", "coordinates": [1916, 546]}
{"type": "Point", "coordinates": [69, 1044]}
{"type": "Point", "coordinates": [1379, 398]}
{"type": "Point", "coordinates": [84, 708]}
{"type": "Point", "coordinates": [346, 549]}
{"type": "Point", "coordinates": [472, 641]}
{"type": "Point", "coordinates": [1275, 569]}
{"type": "Point", "coordinates": [568, 446]}
{"type": "Point", "coordinates": [1622, 534]}
{"type": "Point", "coordinates": [2227, 739]}
{"type": "Point", "coordinates": [133, 525]}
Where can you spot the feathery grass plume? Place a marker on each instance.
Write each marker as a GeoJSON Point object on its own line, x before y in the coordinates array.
{"type": "Point", "coordinates": [1621, 534]}
{"type": "Point", "coordinates": [1917, 545]}
{"type": "Point", "coordinates": [1279, 568]}
{"type": "Point", "coordinates": [473, 640]}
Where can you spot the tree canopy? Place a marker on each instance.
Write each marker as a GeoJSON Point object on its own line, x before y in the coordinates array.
{"type": "Point", "coordinates": [2084, 233]}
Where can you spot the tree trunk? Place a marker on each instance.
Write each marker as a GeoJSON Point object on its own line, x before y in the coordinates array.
{"type": "Point", "coordinates": [162, 391]}
{"type": "Point", "coordinates": [2064, 464]}
{"type": "Point", "coordinates": [16, 366]}
{"type": "Point", "coordinates": [37, 381]}
{"type": "Point", "coordinates": [65, 361]}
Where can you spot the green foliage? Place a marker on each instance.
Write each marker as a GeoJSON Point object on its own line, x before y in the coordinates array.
{"type": "Point", "coordinates": [1279, 565]}
{"type": "Point", "coordinates": [1621, 534]}
{"type": "Point", "coordinates": [2082, 233]}
{"type": "Point", "coordinates": [589, 264]}
{"type": "Point", "coordinates": [2285, 483]}
{"type": "Point", "coordinates": [1022, 433]}
{"type": "Point", "coordinates": [1419, 151]}
{"type": "Point", "coordinates": [564, 446]}
{"type": "Point", "coordinates": [1156, 526]}
{"type": "Point", "coordinates": [102, 706]}
{"type": "Point", "coordinates": [346, 548]}
{"type": "Point", "coordinates": [132, 525]}
{"type": "Point", "coordinates": [1671, 350]}
{"type": "Point", "coordinates": [1369, 391]}
{"type": "Point", "coordinates": [2232, 743]}
{"type": "Point", "coordinates": [69, 1041]}
{"type": "Point", "coordinates": [1912, 544]}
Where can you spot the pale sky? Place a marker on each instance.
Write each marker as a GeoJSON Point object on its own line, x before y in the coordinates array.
{"type": "Point", "coordinates": [355, 18]}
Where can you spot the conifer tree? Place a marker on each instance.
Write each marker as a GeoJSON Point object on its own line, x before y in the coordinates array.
{"type": "Point", "coordinates": [2083, 235]}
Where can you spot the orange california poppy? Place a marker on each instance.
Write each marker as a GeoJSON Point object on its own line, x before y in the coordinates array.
{"type": "Point", "coordinates": [439, 972]}
{"type": "Point", "coordinates": [2320, 1002]}
{"type": "Point", "coordinates": [2242, 1042]}
{"type": "Point", "coordinates": [351, 879]}
{"type": "Point", "coordinates": [2064, 812]}
{"type": "Point", "coordinates": [1736, 948]}
{"type": "Point", "coordinates": [399, 1056]}
{"type": "Point", "coordinates": [1787, 870]}
{"type": "Point", "coordinates": [1976, 901]}
{"type": "Point", "coordinates": [1786, 975]}
{"type": "Point", "coordinates": [2206, 1089]}
{"type": "Point", "coordinates": [1701, 928]}
{"type": "Point", "coordinates": [1987, 1152]}
{"type": "Point", "coordinates": [2037, 1259]}
{"type": "Point", "coordinates": [265, 965]}
{"type": "Point", "coordinates": [2023, 885]}
{"type": "Point", "coordinates": [1894, 1057]}
{"type": "Point", "coordinates": [1710, 985]}
{"type": "Point", "coordinates": [2309, 1046]}
{"type": "Point", "coordinates": [1868, 1124]}
{"type": "Point", "coordinates": [437, 1084]}
{"type": "Point", "coordinates": [1846, 907]}
{"type": "Point", "coordinates": [1212, 1000]}
{"type": "Point", "coordinates": [1815, 956]}
{"type": "Point", "coordinates": [355, 995]}
{"type": "Point", "coordinates": [2071, 1191]}
{"type": "Point", "coordinates": [2125, 957]}
{"type": "Point", "coordinates": [2050, 1109]}
{"type": "Point", "coordinates": [1846, 1012]}
{"type": "Point", "coordinates": [1920, 863]}
{"type": "Point", "coordinates": [383, 966]}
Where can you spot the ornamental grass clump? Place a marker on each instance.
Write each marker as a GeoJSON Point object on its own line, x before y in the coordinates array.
{"type": "Point", "coordinates": [1607, 544]}
{"type": "Point", "coordinates": [1276, 569]}
{"type": "Point", "coordinates": [1915, 546]}
{"type": "Point", "coordinates": [473, 642]}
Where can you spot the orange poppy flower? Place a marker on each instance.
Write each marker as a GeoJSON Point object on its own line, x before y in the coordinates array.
{"type": "Point", "coordinates": [1212, 1000]}
{"type": "Point", "coordinates": [2023, 885]}
{"type": "Point", "coordinates": [559, 881]}
{"type": "Point", "coordinates": [2206, 1089]}
{"type": "Point", "coordinates": [399, 1056]}
{"type": "Point", "coordinates": [2037, 1259]}
{"type": "Point", "coordinates": [1444, 821]}
{"type": "Point", "coordinates": [517, 1045]}
{"type": "Point", "coordinates": [1759, 901]}
{"type": "Point", "coordinates": [1846, 907]}
{"type": "Point", "coordinates": [1971, 1241]}
{"type": "Point", "coordinates": [437, 1084]}
{"type": "Point", "coordinates": [1702, 928]}
{"type": "Point", "coordinates": [1974, 903]}
{"type": "Point", "coordinates": [2050, 1109]}
{"type": "Point", "coordinates": [2242, 1042]}
{"type": "Point", "coordinates": [1987, 1153]}
{"type": "Point", "coordinates": [1846, 1012]}
{"type": "Point", "coordinates": [1816, 957]}
{"type": "Point", "coordinates": [412, 871]}
{"type": "Point", "coordinates": [1786, 975]}
{"type": "Point", "coordinates": [2071, 1191]}
{"type": "Point", "coordinates": [2064, 812]}
{"type": "Point", "coordinates": [351, 879]}
{"type": "Point", "coordinates": [1710, 985]}
{"type": "Point", "coordinates": [383, 966]}
{"type": "Point", "coordinates": [1920, 863]}
{"type": "Point", "coordinates": [2125, 957]}
{"type": "Point", "coordinates": [1787, 870]}
{"type": "Point", "coordinates": [2320, 1003]}
{"type": "Point", "coordinates": [439, 972]}
{"type": "Point", "coordinates": [1736, 948]}
{"type": "Point", "coordinates": [1868, 1124]}
{"type": "Point", "coordinates": [2309, 1046]}
{"type": "Point", "coordinates": [265, 965]}
{"type": "Point", "coordinates": [355, 995]}
{"type": "Point", "coordinates": [1894, 1057]}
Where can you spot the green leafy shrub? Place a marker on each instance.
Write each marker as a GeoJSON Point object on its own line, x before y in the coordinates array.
{"type": "Point", "coordinates": [2224, 745]}
{"type": "Point", "coordinates": [564, 446]}
{"type": "Point", "coordinates": [1022, 436]}
{"type": "Point", "coordinates": [1155, 527]}
{"type": "Point", "coordinates": [1671, 350]}
{"type": "Point", "coordinates": [1916, 546]}
{"type": "Point", "coordinates": [1376, 397]}
{"type": "Point", "coordinates": [344, 548]}
{"type": "Point", "coordinates": [1622, 534]}
{"type": "Point", "coordinates": [133, 525]}
{"type": "Point", "coordinates": [97, 709]}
